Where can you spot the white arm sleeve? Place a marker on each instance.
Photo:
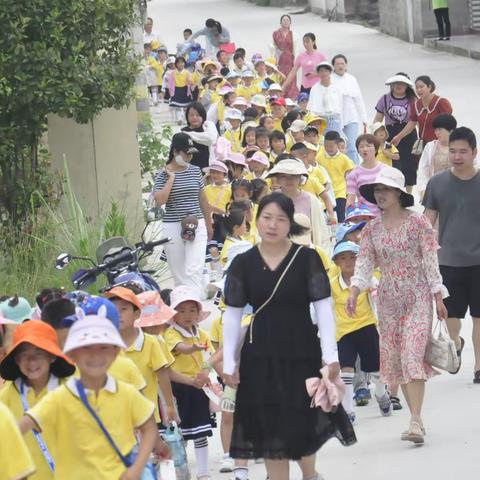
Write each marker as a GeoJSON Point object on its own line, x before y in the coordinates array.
{"type": "Point", "coordinates": [209, 135]}
{"type": "Point", "coordinates": [326, 324]}
{"type": "Point", "coordinates": [232, 338]}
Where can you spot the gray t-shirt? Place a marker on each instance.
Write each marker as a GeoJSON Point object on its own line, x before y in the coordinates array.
{"type": "Point", "coordinates": [458, 205]}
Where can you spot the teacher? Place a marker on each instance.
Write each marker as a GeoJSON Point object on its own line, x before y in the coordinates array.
{"type": "Point", "coordinates": [216, 34]}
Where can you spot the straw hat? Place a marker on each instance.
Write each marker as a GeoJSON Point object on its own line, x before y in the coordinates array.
{"type": "Point", "coordinates": [390, 177]}
{"type": "Point", "coordinates": [288, 167]}
{"type": "Point", "coordinates": [184, 293]}
{"type": "Point", "coordinates": [154, 310]}
{"type": "Point", "coordinates": [43, 336]}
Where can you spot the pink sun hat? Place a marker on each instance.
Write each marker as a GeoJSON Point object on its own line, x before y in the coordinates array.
{"type": "Point", "coordinates": [236, 158]}
{"type": "Point", "coordinates": [154, 311]}
{"type": "Point", "coordinates": [184, 293]}
{"type": "Point", "coordinates": [260, 157]}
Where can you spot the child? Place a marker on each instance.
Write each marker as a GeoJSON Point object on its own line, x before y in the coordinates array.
{"type": "Point", "coordinates": [187, 33]}
{"type": "Point", "coordinates": [154, 71]}
{"type": "Point", "coordinates": [218, 191]}
{"type": "Point", "coordinates": [302, 100]}
{"type": "Point", "coordinates": [236, 165]}
{"type": "Point", "coordinates": [248, 88]}
{"type": "Point", "coordinates": [35, 366]}
{"type": "Point", "coordinates": [179, 86]}
{"type": "Point", "coordinates": [233, 132]}
{"type": "Point", "coordinates": [145, 351]}
{"type": "Point", "coordinates": [267, 122]}
{"type": "Point", "coordinates": [311, 135]}
{"type": "Point", "coordinates": [387, 153]}
{"type": "Point", "coordinates": [357, 335]}
{"type": "Point", "coordinates": [154, 314]}
{"type": "Point", "coordinates": [277, 144]}
{"type": "Point", "coordinates": [279, 110]}
{"type": "Point", "coordinates": [359, 212]}
{"type": "Point", "coordinates": [260, 188]}
{"type": "Point", "coordinates": [17, 461]}
{"type": "Point", "coordinates": [342, 145]}
{"type": "Point", "coordinates": [295, 133]}
{"type": "Point", "coordinates": [233, 78]}
{"type": "Point", "coordinates": [170, 67]}
{"type": "Point", "coordinates": [258, 165]}
{"type": "Point", "coordinates": [248, 139]}
{"type": "Point", "coordinates": [239, 62]}
{"type": "Point", "coordinates": [209, 94]}
{"type": "Point", "coordinates": [337, 165]}
{"type": "Point", "coordinates": [262, 139]}
{"type": "Point", "coordinates": [191, 348]}
{"type": "Point", "coordinates": [259, 103]}
{"type": "Point", "coordinates": [236, 226]}
{"type": "Point", "coordinates": [93, 343]}
{"type": "Point", "coordinates": [250, 210]}
{"type": "Point", "coordinates": [241, 190]}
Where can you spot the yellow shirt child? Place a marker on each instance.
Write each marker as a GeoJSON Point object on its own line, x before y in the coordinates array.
{"type": "Point", "coordinates": [337, 167]}
{"type": "Point", "coordinates": [381, 157]}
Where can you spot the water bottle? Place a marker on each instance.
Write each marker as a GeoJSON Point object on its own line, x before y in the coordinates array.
{"type": "Point", "coordinates": [174, 439]}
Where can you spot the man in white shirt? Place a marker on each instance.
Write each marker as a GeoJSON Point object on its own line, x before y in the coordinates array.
{"type": "Point", "coordinates": [354, 112]}
{"type": "Point", "coordinates": [326, 99]}
{"type": "Point", "coordinates": [148, 34]}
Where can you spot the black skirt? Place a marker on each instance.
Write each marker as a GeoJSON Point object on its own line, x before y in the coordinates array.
{"type": "Point", "coordinates": [408, 163]}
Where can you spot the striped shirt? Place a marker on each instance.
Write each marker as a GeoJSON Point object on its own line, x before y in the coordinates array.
{"type": "Point", "coordinates": [360, 176]}
{"type": "Point", "coordinates": [184, 196]}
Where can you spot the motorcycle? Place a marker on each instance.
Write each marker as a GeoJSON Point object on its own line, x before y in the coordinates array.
{"type": "Point", "coordinates": [118, 260]}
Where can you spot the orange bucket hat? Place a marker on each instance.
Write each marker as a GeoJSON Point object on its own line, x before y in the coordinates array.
{"type": "Point", "coordinates": [40, 335]}
{"type": "Point", "coordinates": [125, 294]}
{"type": "Point", "coordinates": [154, 310]}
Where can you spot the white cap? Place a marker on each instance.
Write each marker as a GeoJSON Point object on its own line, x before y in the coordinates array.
{"type": "Point", "coordinates": [297, 126]}
{"type": "Point", "coordinates": [233, 114]}
{"type": "Point", "coordinates": [259, 100]}
{"type": "Point", "coordinates": [274, 86]}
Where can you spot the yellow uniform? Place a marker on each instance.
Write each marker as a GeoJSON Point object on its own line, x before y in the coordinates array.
{"type": "Point", "coordinates": [84, 451]}
{"type": "Point", "coordinates": [235, 138]}
{"type": "Point", "coordinates": [313, 186]}
{"type": "Point", "coordinates": [10, 396]}
{"type": "Point", "coordinates": [219, 195]}
{"type": "Point", "coordinates": [277, 124]}
{"type": "Point", "coordinates": [181, 78]}
{"type": "Point", "coordinates": [327, 263]}
{"type": "Point", "coordinates": [125, 370]}
{"type": "Point", "coordinates": [337, 167]}
{"type": "Point", "coordinates": [216, 331]}
{"type": "Point", "coordinates": [318, 173]}
{"type": "Point", "coordinates": [16, 459]}
{"type": "Point", "coordinates": [248, 92]}
{"type": "Point", "coordinates": [381, 157]}
{"type": "Point", "coordinates": [149, 353]}
{"type": "Point", "coordinates": [364, 315]}
{"type": "Point", "coordinates": [229, 241]}
{"type": "Point", "coordinates": [191, 364]}
{"type": "Point", "coordinates": [158, 67]}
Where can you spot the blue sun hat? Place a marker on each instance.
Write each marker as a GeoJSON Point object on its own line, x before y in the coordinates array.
{"type": "Point", "coordinates": [16, 309]}
{"type": "Point", "coordinates": [343, 247]}
{"type": "Point", "coordinates": [348, 227]}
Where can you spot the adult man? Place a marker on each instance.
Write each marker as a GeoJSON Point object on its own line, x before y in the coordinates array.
{"type": "Point", "coordinates": [453, 197]}
{"type": "Point", "coordinates": [148, 35]}
{"type": "Point", "coordinates": [354, 111]}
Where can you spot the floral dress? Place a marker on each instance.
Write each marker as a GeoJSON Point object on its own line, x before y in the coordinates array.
{"type": "Point", "coordinates": [407, 258]}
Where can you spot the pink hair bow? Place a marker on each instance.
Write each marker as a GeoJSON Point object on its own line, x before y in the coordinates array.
{"type": "Point", "coordinates": [325, 394]}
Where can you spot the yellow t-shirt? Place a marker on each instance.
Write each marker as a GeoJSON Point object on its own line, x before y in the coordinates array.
{"type": "Point", "coordinates": [381, 157]}
{"type": "Point", "coordinates": [235, 138]}
{"type": "Point", "coordinates": [188, 364]}
{"type": "Point", "coordinates": [159, 68]}
{"type": "Point", "coordinates": [248, 92]}
{"type": "Point", "coordinates": [277, 124]}
{"type": "Point", "coordinates": [219, 195]}
{"type": "Point", "coordinates": [16, 461]}
{"type": "Point", "coordinates": [313, 186]}
{"type": "Point", "coordinates": [364, 315]}
{"type": "Point", "coordinates": [216, 331]}
{"type": "Point", "coordinates": [84, 452]}
{"type": "Point", "coordinates": [337, 167]}
{"type": "Point", "coordinates": [149, 353]}
{"type": "Point", "coordinates": [197, 78]}
{"type": "Point", "coordinates": [229, 241]}
{"type": "Point", "coordinates": [10, 396]}
{"type": "Point", "coordinates": [327, 263]}
{"type": "Point", "coordinates": [125, 370]}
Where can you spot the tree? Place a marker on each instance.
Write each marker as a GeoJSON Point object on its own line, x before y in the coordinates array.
{"type": "Point", "coordinates": [73, 58]}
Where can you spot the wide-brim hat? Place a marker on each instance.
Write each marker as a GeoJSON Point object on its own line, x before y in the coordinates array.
{"type": "Point", "coordinates": [240, 101]}
{"type": "Point", "coordinates": [306, 237]}
{"type": "Point", "coordinates": [154, 310]}
{"type": "Point", "coordinates": [214, 77]}
{"type": "Point", "coordinates": [259, 101]}
{"type": "Point", "coordinates": [288, 167]}
{"type": "Point", "coordinates": [185, 293]}
{"type": "Point", "coordinates": [124, 294]}
{"type": "Point", "coordinates": [312, 118]}
{"type": "Point", "coordinates": [217, 166]}
{"type": "Point", "coordinates": [399, 79]}
{"type": "Point", "coordinates": [297, 126]}
{"type": "Point", "coordinates": [236, 158]}
{"type": "Point", "coordinates": [233, 114]}
{"type": "Point", "coordinates": [260, 157]}
{"type": "Point", "coordinates": [92, 330]}
{"type": "Point", "coordinates": [324, 64]}
{"type": "Point", "coordinates": [390, 177]}
{"type": "Point", "coordinates": [40, 335]}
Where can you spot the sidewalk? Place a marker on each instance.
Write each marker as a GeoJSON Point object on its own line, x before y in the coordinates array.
{"type": "Point", "coordinates": [464, 45]}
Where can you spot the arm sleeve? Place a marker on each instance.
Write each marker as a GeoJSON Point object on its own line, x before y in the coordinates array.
{"type": "Point", "coordinates": [365, 264]}
{"type": "Point", "coordinates": [380, 106]}
{"type": "Point", "coordinates": [423, 174]}
{"type": "Point", "coordinates": [234, 291]}
{"type": "Point", "coordinates": [224, 36]}
{"type": "Point", "coordinates": [318, 282]}
{"type": "Point", "coordinates": [212, 113]}
{"type": "Point", "coordinates": [232, 338]}
{"type": "Point", "coordinates": [199, 33]}
{"type": "Point", "coordinates": [325, 321]}
{"type": "Point", "coordinates": [209, 135]}
{"type": "Point", "coordinates": [352, 182]}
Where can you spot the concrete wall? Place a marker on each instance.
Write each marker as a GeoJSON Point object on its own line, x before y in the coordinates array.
{"type": "Point", "coordinates": [322, 7]}
{"type": "Point", "coordinates": [103, 161]}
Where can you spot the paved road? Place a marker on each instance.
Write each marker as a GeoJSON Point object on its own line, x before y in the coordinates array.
{"type": "Point", "coordinates": [452, 402]}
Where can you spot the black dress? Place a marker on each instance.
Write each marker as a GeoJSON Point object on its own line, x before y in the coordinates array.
{"type": "Point", "coordinates": [273, 418]}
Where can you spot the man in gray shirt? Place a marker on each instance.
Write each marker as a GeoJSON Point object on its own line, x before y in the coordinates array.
{"type": "Point", "coordinates": [453, 197]}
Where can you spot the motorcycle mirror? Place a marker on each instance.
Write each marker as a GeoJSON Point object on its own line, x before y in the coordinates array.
{"type": "Point", "coordinates": [62, 261]}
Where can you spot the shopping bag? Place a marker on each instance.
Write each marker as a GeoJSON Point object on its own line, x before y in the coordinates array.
{"type": "Point", "coordinates": [441, 351]}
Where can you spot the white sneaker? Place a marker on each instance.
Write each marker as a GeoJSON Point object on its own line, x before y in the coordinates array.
{"type": "Point", "coordinates": [227, 464]}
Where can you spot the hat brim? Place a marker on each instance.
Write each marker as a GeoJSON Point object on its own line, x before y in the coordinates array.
{"type": "Point", "coordinates": [79, 340]}
{"type": "Point", "coordinates": [399, 79]}
{"type": "Point", "coordinates": [62, 366]}
{"type": "Point", "coordinates": [113, 295]}
{"type": "Point", "coordinates": [162, 316]}
{"type": "Point", "coordinates": [274, 172]}
{"type": "Point", "coordinates": [367, 192]}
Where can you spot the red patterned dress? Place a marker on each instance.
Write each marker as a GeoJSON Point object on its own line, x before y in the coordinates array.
{"type": "Point", "coordinates": [407, 258]}
{"type": "Point", "coordinates": [285, 57]}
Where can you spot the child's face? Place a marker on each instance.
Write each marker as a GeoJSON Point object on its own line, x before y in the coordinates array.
{"type": "Point", "coordinates": [34, 362]}
{"type": "Point", "coordinates": [269, 124]}
{"type": "Point", "coordinates": [263, 193]}
{"type": "Point", "coordinates": [234, 81]}
{"type": "Point", "coordinates": [241, 195]}
{"type": "Point", "coordinates": [311, 157]}
{"type": "Point", "coordinates": [259, 109]}
{"type": "Point", "coordinates": [148, 51]}
{"type": "Point", "coordinates": [235, 123]}
{"type": "Point", "coordinates": [216, 177]}
{"type": "Point", "coordinates": [180, 65]}
{"type": "Point", "coordinates": [186, 35]}
{"type": "Point", "coordinates": [298, 136]}
{"type": "Point", "coordinates": [162, 56]}
{"type": "Point", "coordinates": [278, 111]}
{"type": "Point", "coordinates": [239, 62]}
{"type": "Point", "coordinates": [303, 104]}
{"type": "Point", "coordinates": [346, 262]}
{"type": "Point", "coordinates": [256, 167]}
{"type": "Point", "coordinates": [250, 137]}
{"type": "Point", "coordinates": [261, 69]}
{"type": "Point", "coordinates": [382, 135]}
{"type": "Point", "coordinates": [213, 85]}
{"type": "Point", "coordinates": [187, 314]}
{"type": "Point", "coordinates": [311, 137]}
{"type": "Point", "coordinates": [240, 230]}
{"type": "Point", "coordinates": [127, 312]}
{"type": "Point", "coordinates": [342, 146]}
{"type": "Point", "coordinates": [237, 172]}
{"type": "Point", "coordinates": [278, 145]}
{"type": "Point", "coordinates": [331, 147]}
{"type": "Point", "coordinates": [262, 142]}
{"type": "Point", "coordinates": [354, 236]}
{"type": "Point", "coordinates": [247, 81]}
{"type": "Point", "coordinates": [223, 58]}
{"type": "Point", "coordinates": [94, 360]}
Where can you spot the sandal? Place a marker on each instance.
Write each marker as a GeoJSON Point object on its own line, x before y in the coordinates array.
{"type": "Point", "coordinates": [395, 402]}
{"type": "Point", "coordinates": [459, 355]}
{"type": "Point", "coordinates": [415, 433]}
{"type": "Point", "coordinates": [476, 378]}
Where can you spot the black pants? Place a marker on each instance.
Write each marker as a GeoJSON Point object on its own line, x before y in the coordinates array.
{"type": "Point", "coordinates": [441, 14]}
{"type": "Point", "coordinates": [340, 209]}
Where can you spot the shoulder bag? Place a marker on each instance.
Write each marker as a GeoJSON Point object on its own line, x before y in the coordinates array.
{"type": "Point", "coordinates": [441, 350]}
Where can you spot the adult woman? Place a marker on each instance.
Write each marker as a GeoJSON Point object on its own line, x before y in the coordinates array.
{"type": "Point", "coordinates": [402, 244]}
{"type": "Point", "coordinates": [179, 186]}
{"type": "Point", "coordinates": [288, 174]}
{"type": "Point", "coordinates": [273, 418]}
{"type": "Point", "coordinates": [203, 133]}
{"type": "Point", "coordinates": [423, 111]}
{"type": "Point", "coordinates": [283, 41]}
{"type": "Point", "coordinates": [216, 34]}
{"type": "Point", "coordinates": [307, 61]}
{"type": "Point", "coordinates": [395, 107]}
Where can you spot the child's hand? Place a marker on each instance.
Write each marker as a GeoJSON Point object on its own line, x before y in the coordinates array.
{"type": "Point", "coordinates": [198, 382]}
{"type": "Point", "coordinates": [161, 450]}
{"type": "Point", "coordinates": [199, 347]}
{"type": "Point", "coordinates": [131, 473]}
{"type": "Point", "coordinates": [172, 415]}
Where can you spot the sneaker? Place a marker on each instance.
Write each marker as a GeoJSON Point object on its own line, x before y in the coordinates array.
{"type": "Point", "coordinates": [227, 464]}
{"type": "Point", "coordinates": [395, 402]}
{"type": "Point", "coordinates": [352, 417]}
{"type": "Point", "coordinates": [476, 377]}
{"type": "Point", "coordinates": [362, 395]}
{"type": "Point", "coordinates": [385, 405]}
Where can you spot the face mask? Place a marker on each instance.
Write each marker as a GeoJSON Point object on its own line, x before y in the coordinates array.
{"type": "Point", "coordinates": [180, 161]}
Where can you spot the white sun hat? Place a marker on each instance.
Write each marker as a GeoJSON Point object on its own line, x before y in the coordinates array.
{"type": "Point", "coordinates": [289, 166]}
{"type": "Point", "coordinates": [399, 78]}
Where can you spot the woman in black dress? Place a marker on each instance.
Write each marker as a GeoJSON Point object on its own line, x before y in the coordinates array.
{"type": "Point", "coordinates": [273, 419]}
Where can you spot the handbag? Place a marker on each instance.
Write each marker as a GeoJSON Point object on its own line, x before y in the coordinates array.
{"type": "Point", "coordinates": [149, 472]}
{"type": "Point", "coordinates": [441, 351]}
{"type": "Point", "coordinates": [274, 291]}
{"type": "Point", "coordinates": [419, 144]}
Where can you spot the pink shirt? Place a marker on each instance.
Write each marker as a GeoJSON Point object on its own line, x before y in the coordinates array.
{"type": "Point", "coordinates": [360, 176]}
{"type": "Point", "coordinates": [308, 63]}
{"type": "Point", "coordinates": [303, 205]}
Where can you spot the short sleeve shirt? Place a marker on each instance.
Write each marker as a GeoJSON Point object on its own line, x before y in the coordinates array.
{"type": "Point", "coordinates": [360, 176]}
{"type": "Point", "coordinates": [396, 110]}
{"type": "Point", "coordinates": [308, 63]}
{"type": "Point", "coordinates": [337, 167]}
{"type": "Point", "coordinates": [425, 117]}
